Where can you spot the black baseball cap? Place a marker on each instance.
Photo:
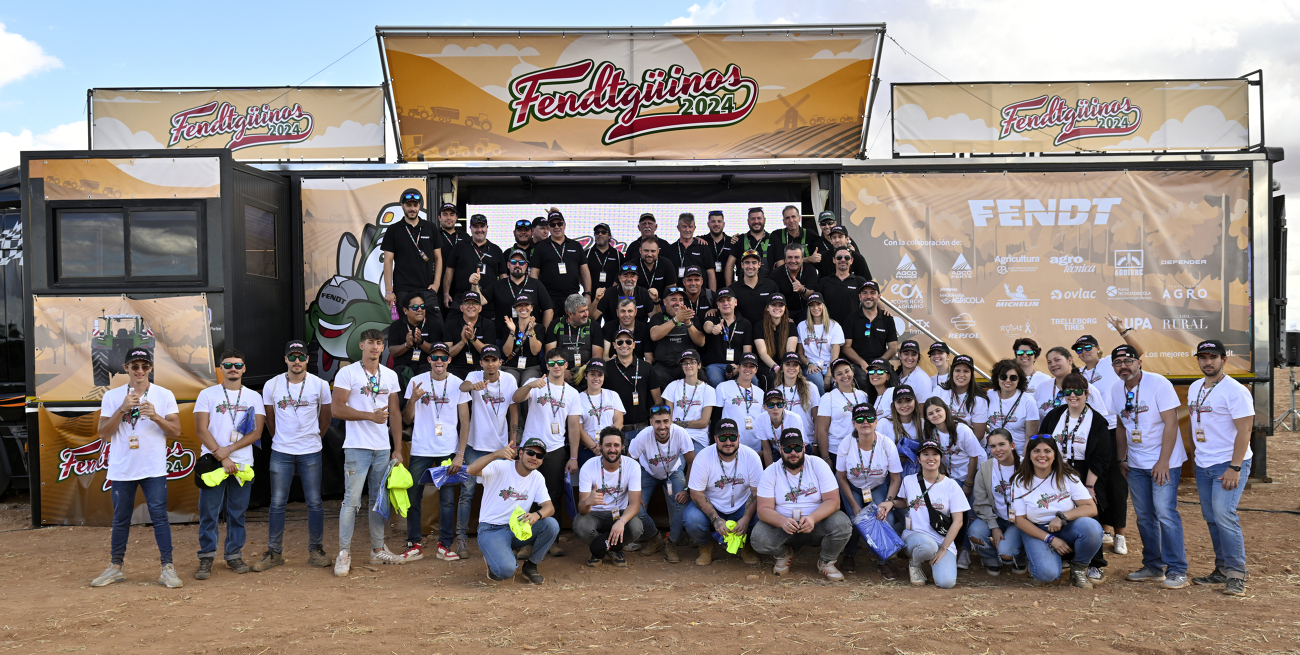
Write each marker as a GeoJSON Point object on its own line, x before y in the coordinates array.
{"type": "Point", "coordinates": [523, 224]}
{"type": "Point", "coordinates": [727, 426]}
{"type": "Point", "coordinates": [725, 293]}
{"type": "Point", "coordinates": [534, 442]}
{"type": "Point", "coordinates": [864, 409]}
{"type": "Point", "coordinates": [489, 351]}
{"type": "Point", "coordinates": [1124, 350]}
{"type": "Point", "coordinates": [439, 346]}
{"type": "Point", "coordinates": [554, 217]}
{"type": "Point", "coordinates": [623, 331]}
{"type": "Point", "coordinates": [814, 297]}
{"type": "Point", "coordinates": [791, 435]}
{"type": "Point", "coordinates": [478, 219]}
{"type": "Point", "coordinates": [750, 253]}
{"type": "Point", "coordinates": [412, 195]}
{"type": "Point", "coordinates": [1086, 340]}
{"type": "Point", "coordinates": [869, 284]}
{"type": "Point", "coordinates": [596, 366]}
{"type": "Point", "coordinates": [877, 364]}
{"type": "Point", "coordinates": [791, 357]}
{"type": "Point", "coordinates": [692, 270]}
{"type": "Point", "coordinates": [748, 358]}
{"type": "Point", "coordinates": [911, 345]}
{"type": "Point", "coordinates": [470, 296]}
{"type": "Point", "coordinates": [647, 217]}
{"type": "Point", "coordinates": [774, 394]}
{"type": "Point", "coordinates": [964, 359]}
{"type": "Point", "coordinates": [447, 206]}
{"type": "Point", "coordinates": [295, 346]}
{"type": "Point", "coordinates": [840, 229]}
{"type": "Point", "coordinates": [523, 299]}
{"type": "Point", "coordinates": [939, 345]}
{"type": "Point", "coordinates": [776, 298]}
{"type": "Point", "coordinates": [689, 353]}
{"type": "Point", "coordinates": [145, 355]}
{"type": "Point", "coordinates": [521, 254]}
{"type": "Point", "coordinates": [540, 221]}
{"type": "Point", "coordinates": [904, 391]}
{"type": "Point", "coordinates": [930, 444]}
{"type": "Point", "coordinates": [1212, 346]}
{"type": "Point", "coordinates": [599, 227]}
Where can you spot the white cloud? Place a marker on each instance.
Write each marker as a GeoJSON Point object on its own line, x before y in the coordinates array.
{"type": "Point", "coordinates": [867, 199]}
{"type": "Point", "coordinates": [864, 50]}
{"type": "Point", "coordinates": [112, 134]}
{"type": "Point", "coordinates": [196, 172]}
{"type": "Point", "coordinates": [22, 57]}
{"type": "Point", "coordinates": [350, 134]}
{"type": "Point", "coordinates": [121, 99]}
{"type": "Point", "coordinates": [485, 50]}
{"type": "Point", "coordinates": [1204, 125]}
{"type": "Point", "coordinates": [523, 68]}
{"type": "Point", "coordinates": [911, 122]}
{"type": "Point", "coordinates": [70, 136]}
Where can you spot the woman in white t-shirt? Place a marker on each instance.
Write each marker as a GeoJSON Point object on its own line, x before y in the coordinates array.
{"type": "Point", "coordinates": [993, 532]}
{"type": "Point", "coordinates": [909, 369]}
{"type": "Point", "coordinates": [778, 419]}
{"type": "Point", "coordinates": [962, 454]}
{"type": "Point", "coordinates": [1055, 512]}
{"type": "Point", "coordinates": [867, 466]}
{"type": "Point", "coordinates": [923, 542]}
{"type": "Point", "coordinates": [880, 386]}
{"type": "Point", "coordinates": [1011, 406]}
{"type": "Point", "coordinates": [600, 409]}
{"type": "Point", "coordinates": [801, 395]}
{"type": "Point", "coordinates": [941, 358]}
{"type": "Point", "coordinates": [960, 393]}
{"type": "Point", "coordinates": [834, 420]}
{"type": "Point", "coordinates": [820, 340]}
{"type": "Point", "coordinates": [692, 400]}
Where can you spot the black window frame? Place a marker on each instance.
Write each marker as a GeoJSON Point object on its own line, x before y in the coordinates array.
{"type": "Point", "coordinates": [58, 281]}
{"type": "Point", "coordinates": [276, 216]}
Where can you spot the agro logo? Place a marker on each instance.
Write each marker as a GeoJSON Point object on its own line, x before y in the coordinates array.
{"type": "Point", "coordinates": [608, 90]}
{"type": "Point", "coordinates": [1114, 118]}
{"type": "Point", "coordinates": [92, 458]}
{"type": "Point", "coordinates": [283, 125]}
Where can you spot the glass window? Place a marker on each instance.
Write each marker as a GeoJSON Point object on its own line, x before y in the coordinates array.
{"type": "Point", "coordinates": [90, 244]}
{"type": "Point", "coordinates": [164, 243]}
{"type": "Point", "coordinates": [259, 242]}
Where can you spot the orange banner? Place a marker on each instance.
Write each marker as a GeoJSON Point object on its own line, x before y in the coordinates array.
{"type": "Point", "coordinates": [638, 94]}
{"type": "Point", "coordinates": [100, 179]}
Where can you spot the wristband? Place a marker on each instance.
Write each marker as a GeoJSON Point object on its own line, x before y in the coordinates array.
{"type": "Point", "coordinates": [1048, 539]}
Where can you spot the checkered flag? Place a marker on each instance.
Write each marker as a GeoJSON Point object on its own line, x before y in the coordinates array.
{"type": "Point", "coordinates": [11, 245]}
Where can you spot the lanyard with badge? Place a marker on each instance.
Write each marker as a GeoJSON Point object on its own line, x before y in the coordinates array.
{"type": "Point", "coordinates": [418, 228]}
{"type": "Point", "coordinates": [232, 410]}
{"type": "Point", "coordinates": [288, 392]}
{"type": "Point", "coordinates": [636, 378]}
{"type": "Point", "coordinates": [650, 276]}
{"type": "Point", "coordinates": [1200, 403]}
{"type": "Point", "coordinates": [681, 259]}
{"type": "Point", "coordinates": [559, 254]}
{"type": "Point", "coordinates": [495, 401]}
{"type": "Point", "coordinates": [717, 253]}
{"type": "Point", "coordinates": [133, 417]}
{"type": "Point", "coordinates": [603, 263]}
{"type": "Point", "coordinates": [1068, 436]}
{"type": "Point", "coordinates": [1131, 398]}
{"type": "Point", "coordinates": [726, 339]}
{"type": "Point", "coordinates": [614, 510]}
{"type": "Point", "coordinates": [689, 402]}
{"type": "Point", "coordinates": [722, 470]}
{"type": "Point", "coordinates": [748, 395]}
{"type": "Point", "coordinates": [866, 473]}
{"type": "Point", "coordinates": [415, 350]}
{"type": "Point", "coordinates": [555, 407]}
{"type": "Point", "coordinates": [797, 491]}
{"type": "Point", "coordinates": [437, 406]}
{"type": "Point", "coordinates": [481, 254]}
{"type": "Point", "coordinates": [575, 345]}
{"type": "Point", "coordinates": [1005, 486]}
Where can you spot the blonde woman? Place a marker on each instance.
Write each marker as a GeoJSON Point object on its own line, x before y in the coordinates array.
{"type": "Point", "coordinates": [820, 340]}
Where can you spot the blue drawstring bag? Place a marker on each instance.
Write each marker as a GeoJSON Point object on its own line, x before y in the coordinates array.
{"type": "Point", "coordinates": [437, 476]}
{"type": "Point", "coordinates": [382, 505]}
{"type": "Point", "coordinates": [569, 505]}
{"type": "Point", "coordinates": [879, 534]}
{"type": "Point", "coordinates": [248, 423]}
{"type": "Point", "coordinates": [907, 456]}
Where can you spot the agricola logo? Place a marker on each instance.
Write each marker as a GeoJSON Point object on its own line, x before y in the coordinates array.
{"type": "Point", "coordinates": [1113, 118]}
{"type": "Point", "coordinates": [282, 125]}
{"type": "Point", "coordinates": [704, 99]}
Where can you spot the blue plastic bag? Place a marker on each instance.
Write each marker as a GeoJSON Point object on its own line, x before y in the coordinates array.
{"type": "Point", "coordinates": [879, 534]}
{"type": "Point", "coordinates": [569, 505]}
{"type": "Point", "coordinates": [437, 476]}
{"type": "Point", "coordinates": [907, 456]}
{"type": "Point", "coordinates": [382, 507]}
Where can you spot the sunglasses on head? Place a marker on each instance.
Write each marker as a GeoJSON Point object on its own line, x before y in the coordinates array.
{"type": "Point", "coordinates": [556, 362]}
{"type": "Point", "coordinates": [864, 419]}
{"type": "Point", "coordinates": [415, 308]}
{"type": "Point", "coordinates": [657, 409]}
{"type": "Point", "coordinates": [523, 224]}
{"type": "Point", "coordinates": [411, 196]}
{"type": "Point", "coordinates": [235, 365]}
{"type": "Point", "coordinates": [1084, 348]}
{"type": "Point", "coordinates": [1024, 352]}
{"type": "Point", "coordinates": [727, 437]}
{"type": "Point", "coordinates": [629, 268]}
{"type": "Point", "coordinates": [773, 404]}
{"type": "Point", "coordinates": [1073, 392]}
{"type": "Point", "coordinates": [1009, 377]}
{"type": "Point", "coordinates": [533, 453]}
{"type": "Point", "coordinates": [297, 358]}
{"type": "Point", "coordinates": [623, 342]}
{"type": "Point", "coordinates": [439, 358]}
{"type": "Point", "coordinates": [792, 448]}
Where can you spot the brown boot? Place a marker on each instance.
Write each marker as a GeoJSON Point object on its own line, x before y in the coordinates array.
{"type": "Point", "coordinates": [670, 552]}
{"type": "Point", "coordinates": [747, 555]}
{"type": "Point", "coordinates": [706, 554]}
{"type": "Point", "coordinates": [651, 547]}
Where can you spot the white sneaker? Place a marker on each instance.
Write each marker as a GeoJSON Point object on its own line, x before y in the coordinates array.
{"type": "Point", "coordinates": [169, 579]}
{"type": "Point", "coordinates": [1107, 538]}
{"type": "Point", "coordinates": [343, 564]}
{"type": "Point", "coordinates": [963, 560]}
{"type": "Point", "coordinates": [917, 573]}
{"type": "Point", "coordinates": [110, 575]}
{"type": "Point", "coordinates": [829, 570]}
{"type": "Point", "coordinates": [385, 556]}
{"type": "Point", "coordinates": [781, 563]}
{"type": "Point", "coordinates": [1121, 546]}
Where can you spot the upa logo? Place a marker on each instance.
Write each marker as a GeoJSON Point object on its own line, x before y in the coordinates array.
{"type": "Point", "coordinates": [1111, 118]}
{"type": "Point", "coordinates": [703, 99]}
{"type": "Point", "coordinates": [91, 458]}
{"type": "Point", "coordinates": [259, 126]}
{"type": "Point", "coordinates": [906, 269]}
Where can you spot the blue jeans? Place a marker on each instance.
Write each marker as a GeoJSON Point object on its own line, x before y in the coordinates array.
{"type": "Point", "coordinates": [697, 524]}
{"type": "Point", "coordinates": [498, 543]}
{"type": "Point", "coordinates": [877, 496]}
{"type": "Point", "coordinates": [465, 504]}
{"type": "Point", "coordinates": [446, 504]}
{"type": "Point", "coordinates": [1159, 524]}
{"type": "Point", "coordinates": [155, 495]}
{"type": "Point", "coordinates": [234, 498]}
{"type": "Point", "coordinates": [1011, 547]}
{"type": "Point", "coordinates": [818, 379]}
{"type": "Point", "coordinates": [922, 548]}
{"type": "Point", "coordinates": [362, 466]}
{"type": "Point", "coordinates": [716, 374]}
{"type": "Point", "coordinates": [650, 484]}
{"type": "Point", "coordinates": [1083, 535]}
{"type": "Point", "coordinates": [282, 467]}
{"type": "Point", "coordinates": [1219, 508]}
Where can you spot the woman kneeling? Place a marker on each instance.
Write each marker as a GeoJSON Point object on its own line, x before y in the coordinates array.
{"type": "Point", "coordinates": [1055, 512]}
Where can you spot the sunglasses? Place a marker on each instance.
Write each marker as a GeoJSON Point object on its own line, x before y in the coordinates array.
{"type": "Point", "coordinates": [600, 232]}
{"type": "Point", "coordinates": [140, 367]}
{"type": "Point", "coordinates": [439, 358]}
{"type": "Point", "coordinates": [533, 453]}
{"type": "Point", "coordinates": [521, 262]}
{"type": "Point", "coordinates": [412, 196]}
{"type": "Point", "coordinates": [864, 419]}
{"type": "Point", "coordinates": [297, 358]}
{"type": "Point", "coordinates": [726, 437]}
{"type": "Point", "coordinates": [657, 409]}
{"type": "Point", "coordinates": [1025, 352]}
{"type": "Point", "coordinates": [556, 362]}
{"type": "Point", "coordinates": [623, 342]}
{"type": "Point", "coordinates": [774, 404]}
{"type": "Point", "coordinates": [877, 371]}
{"type": "Point", "coordinates": [555, 223]}
{"type": "Point", "coordinates": [1128, 401]}
{"type": "Point", "coordinates": [1084, 348]}
{"type": "Point", "coordinates": [629, 268]}
{"type": "Point", "coordinates": [1010, 377]}
{"type": "Point", "coordinates": [415, 308]}
{"type": "Point", "coordinates": [749, 253]}
{"type": "Point", "coordinates": [1074, 392]}
{"type": "Point", "coordinates": [238, 366]}
{"type": "Point", "coordinates": [843, 259]}
{"type": "Point", "coordinates": [792, 448]}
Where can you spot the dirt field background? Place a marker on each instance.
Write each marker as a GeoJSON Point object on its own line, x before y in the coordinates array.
{"type": "Point", "coordinates": [435, 607]}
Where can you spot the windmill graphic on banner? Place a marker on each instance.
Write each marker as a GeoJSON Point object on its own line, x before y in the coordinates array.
{"type": "Point", "coordinates": [792, 118]}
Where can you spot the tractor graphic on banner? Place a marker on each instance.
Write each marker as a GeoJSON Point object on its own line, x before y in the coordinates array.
{"type": "Point", "coordinates": [112, 337]}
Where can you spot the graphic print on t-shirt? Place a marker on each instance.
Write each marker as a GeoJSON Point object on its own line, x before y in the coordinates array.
{"type": "Point", "coordinates": [919, 502]}
{"type": "Point", "coordinates": [508, 494]}
{"type": "Point", "coordinates": [724, 480]}
{"type": "Point", "coordinates": [1046, 499]}
{"type": "Point", "coordinates": [1132, 414]}
{"type": "Point", "coordinates": [795, 492]}
{"type": "Point", "coordinates": [662, 459]}
{"type": "Point", "coordinates": [860, 470]}
{"type": "Point", "coordinates": [1003, 487]}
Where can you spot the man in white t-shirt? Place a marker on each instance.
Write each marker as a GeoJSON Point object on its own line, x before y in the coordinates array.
{"type": "Point", "coordinates": [439, 413]}
{"type": "Point", "coordinates": [724, 487]}
{"type": "Point", "coordinates": [799, 505]}
{"type": "Point", "coordinates": [222, 426]}
{"type": "Point", "coordinates": [1151, 456]}
{"type": "Point", "coordinates": [659, 449]}
{"type": "Point", "coordinates": [741, 400]}
{"type": "Point", "coordinates": [514, 487]}
{"type": "Point", "coordinates": [297, 414]}
{"type": "Point", "coordinates": [493, 416]}
{"type": "Point", "coordinates": [366, 398]}
{"type": "Point", "coordinates": [1221, 416]}
{"type": "Point", "coordinates": [609, 501]}
{"type": "Point", "coordinates": [553, 415]}
{"type": "Point", "coordinates": [136, 420]}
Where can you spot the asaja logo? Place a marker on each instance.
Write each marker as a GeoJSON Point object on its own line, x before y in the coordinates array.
{"type": "Point", "coordinates": [961, 269]}
{"type": "Point", "coordinates": [703, 99]}
{"type": "Point", "coordinates": [1113, 118]}
{"type": "Point", "coordinates": [260, 126]}
{"type": "Point", "coordinates": [906, 269]}
{"type": "Point", "coordinates": [1129, 263]}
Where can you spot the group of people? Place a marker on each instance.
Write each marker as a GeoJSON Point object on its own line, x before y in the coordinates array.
{"type": "Point", "coordinates": [617, 394]}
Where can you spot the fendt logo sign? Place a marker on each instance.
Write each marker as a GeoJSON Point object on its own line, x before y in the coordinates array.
{"type": "Point", "coordinates": [1113, 118]}
{"type": "Point", "coordinates": [704, 99]}
{"type": "Point", "coordinates": [259, 126]}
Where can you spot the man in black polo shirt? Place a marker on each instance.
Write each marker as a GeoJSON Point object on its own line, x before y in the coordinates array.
{"type": "Point", "coordinates": [719, 248]}
{"type": "Point", "coordinates": [727, 336]}
{"type": "Point", "coordinates": [793, 232]}
{"type": "Point", "coordinates": [449, 234]}
{"type": "Point", "coordinates": [647, 225]}
{"type": "Point", "coordinates": [607, 299]}
{"type": "Point", "coordinates": [603, 260]}
{"type": "Point", "coordinates": [634, 380]}
{"type": "Point", "coordinates": [474, 263]}
{"type": "Point", "coordinates": [576, 336]}
{"type": "Point", "coordinates": [752, 291]}
{"type": "Point", "coordinates": [560, 264]}
{"type": "Point", "coordinates": [523, 237]}
{"type": "Point", "coordinates": [414, 255]}
{"type": "Point", "coordinates": [688, 251]}
{"type": "Point", "coordinates": [795, 281]}
{"type": "Point", "coordinates": [541, 230]}
{"type": "Point", "coordinates": [466, 334]}
{"type": "Point", "coordinates": [502, 293]}
{"type": "Point", "coordinates": [840, 239]}
{"type": "Point", "coordinates": [696, 296]}
{"type": "Point", "coordinates": [655, 274]}
{"type": "Point", "coordinates": [870, 333]}
{"type": "Point", "coordinates": [756, 239]}
{"type": "Point", "coordinates": [626, 316]}
{"type": "Point", "coordinates": [840, 288]}
{"type": "Point", "coordinates": [673, 331]}
{"type": "Point", "coordinates": [410, 337]}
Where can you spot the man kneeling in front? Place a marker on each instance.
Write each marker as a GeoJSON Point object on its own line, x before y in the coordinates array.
{"type": "Point", "coordinates": [799, 505]}
{"type": "Point", "coordinates": [511, 486]}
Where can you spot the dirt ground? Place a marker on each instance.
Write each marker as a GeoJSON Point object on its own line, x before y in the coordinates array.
{"type": "Point", "coordinates": [436, 607]}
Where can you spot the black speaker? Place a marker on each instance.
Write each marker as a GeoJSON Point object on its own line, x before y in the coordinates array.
{"type": "Point", "coordinates": [1291, 349]}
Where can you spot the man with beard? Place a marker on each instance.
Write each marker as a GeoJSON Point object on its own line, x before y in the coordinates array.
{"type": "Point", "coordinates": [603, 260]}
{"type": "Point", "coordinates": [415, 256]}
{"type": "Point", "coordinates": [724, 487]}
{"type": "Point", "coordinates": [799, 505]}
{"type": "Point", "coordinates": [560, 264]}
{"type": "Point", "coordinates": [719, 248]}
{"type": "Point", "coordinates": [473, 264]}
{"type": "Point", "coordinates": [869, 334]}
{"type": "Point", "coordinates": [411, 336]}
{"type": "Point", "coordinates": [449, 235]}
{"type": "Point", "coordinates": [511, 484]}
{"type": "Point", "coordinates": [840, 289]}
{"type": "Point", "coordinates": [607, 299]}
{"type": "Point", "coordinates": [752, 291]}
{"type": "Point", "coordinates": [468, 333]}
{"type": "Point", "coordinates": [575, 335]}
{"type": "Point", "coordinates": [609, 501]}
{"type": "Point", "coordinates": [647, 226]}
{"type": "Point", "coordinates": [839, 238]}
{"type": "Point", "coordinates": [696, 296]}
{"type": "Point", "coordinates": [794, 234]}
{"type": "Point", "coordinates": [503, 293]}
{"type": "Point", "coordinates": [673, 331]}
{"type": "Point", "coordinates": [659, 450]}
{"type": "Point", "coordinates": [756, 240]}
{"type": "Point", "coordinates": [524, 237]}
{"type": "Point", "coordinates": [655, 275]}
{"type": "Point", "coordinates": [828, 224]}
{"type": "Point", "coordinates": [795, 281]}
{"type": "Point", "coordinates": [687, 251]}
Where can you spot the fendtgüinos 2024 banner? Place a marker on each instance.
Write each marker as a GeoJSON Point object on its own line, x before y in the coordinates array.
{"type": "Point", "coordinates": [984, 258]}
{"type": "Point", "coordinates": [672, 94]}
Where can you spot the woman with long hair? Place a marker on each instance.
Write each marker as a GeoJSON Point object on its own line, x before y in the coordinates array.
{"type": "Point", "coordinates": [1055, 512]}
{"type": "Point", "coordinates": [801, 395]}
{"type": "Point", "coordinates": [834, 420]}
{"type": "Point", "coordinates": [880, 386]}
{"type": "Point", "coordinates": [941, 358]}
{"type": "Point", "coordinates": [1087, 447]}
{"type": "Point", "coordinates": [909, 369]}
{"type": "Point", "coordinates": [1010, 405]}
{"type": "Point", "coordinates": [960, 393]}
{"type": "Point", "coordinates": [777, 338]}
{"type": "Point", "coordinates": [993, 533]}
{"type": "Point", "coordinates": [962, 454]}
{"type": "Point", "coordinates": [1060, 363]}
{"type": "Point", "coordinates": [820, 340]}
{"type": "Point", "coordinates": [923, 543]}
{"type": "Point", "coordinates": [867, 466]}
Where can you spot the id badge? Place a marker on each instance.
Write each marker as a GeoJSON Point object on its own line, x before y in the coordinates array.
{"type": "Point", "coordinates": [523, 362]}
{"type": "Point", "coordinates": [1200, 435]}
{"type": "Point", "coordinates": [669, 486]}
{"type": "Point", "coordinates": [437, 429]}
{"type": "Point", "coordinates": [555, 428]}
{"type": "Point", "coordinates": [564, 270]}
{"type": "Point", "coordinates": [469, 356]}
{"type": "Point", "coordinates": [1136, 436]}
{"type": "Point", "coordinates": [681, 272]}
{"type": "Point", "coordinates": [134, 442]}
{"type": "Point", "coordinates": [415, 354]}
{"type": "Point", "coordinates": [717, 267]}
{"type": "Point", "coordinates": [749, 422]}
{"type": "Point", "coordinates": [577, 360]}
{"type": "Point", "coordinates": [616, 512]}
{"type": "Point", "coordinates": [603, 274]}
{"type": "Point", "coordinates": [636, 398]}
{"type": "Point", "coordinates": [514, 313]}
{"type": "Point", "coordinates": [234, 436]}
{"type": "Point", "coordinates": [731, 354]}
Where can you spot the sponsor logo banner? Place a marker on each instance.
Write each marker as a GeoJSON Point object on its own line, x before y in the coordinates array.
{"type": "Point", "coordinates": [265, 124]}
{"type": "Point", "coordinates": [1100, 260]}
{"type": "Point", "coordinates": [1139, 116]}
{"type": "Point", "coordinates": [676, 95]}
